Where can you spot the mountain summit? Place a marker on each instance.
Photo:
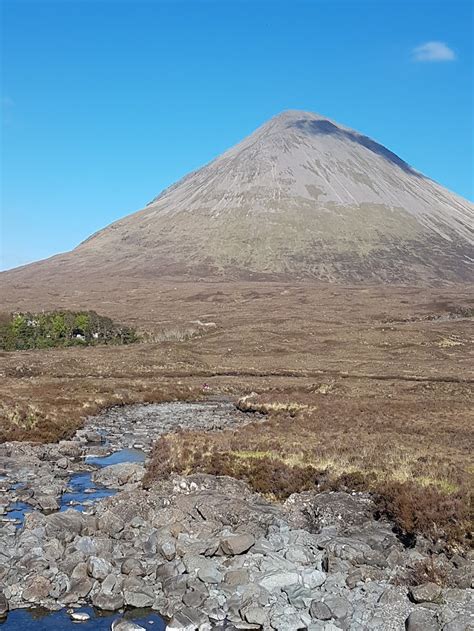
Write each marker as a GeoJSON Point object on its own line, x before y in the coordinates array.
{"type": "Point", "coordinates": [303, 196]}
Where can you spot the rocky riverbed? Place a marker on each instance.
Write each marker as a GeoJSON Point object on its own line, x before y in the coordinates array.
{"type": "Point", "coordinates": [205, 552]}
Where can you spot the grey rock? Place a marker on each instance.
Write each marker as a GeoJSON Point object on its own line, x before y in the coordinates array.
{"type": "Point", "coordinates": [137, 593]}
{"type": "Point", "coordinates": [47, 503]}
{"type": "Point", "coordinates": [3, 605]}
{"type": "Point", "coordinates": [79, 616]}
{"type": "Point", "coordinates": [69, 448]}
{"type": "Point", "coordinates": [110, 596]}
{"type": "Point", "coordinates": [110, 523]}
{"type": "Point", "coordinates": [277, 580]}
{"type": "Point", "coordinates": [255, 615]}
{"type": "Point", "coordinates": [421, 620]}
{"type": "Point", "coordinates": [319, 610]}
{"type": "Point", "coordinates": [210, 574]}
{"type": "Point", "coordinates": [118, 475]}
{"type": "Point", "coordinates": [98, 568]}
{"type": "Point", "coordinates": [60, 585]}
{"type": "Point", "coordinates": [133, 567]}
{"type": "Point", "coordinates": [188, 619]}
{"type": "Point", "coordinates": [235, 577]}
{"type": "Point", "coordinates": [312, 578]}
{"type": "Point", "coordinates": [340, 607]}
{"type": "Point", "coordinates": [463, 622]}
{"type": "Point", "coordinates": [65, 526]}
{"type": "Point", "coordinates": [170, 569]}
{"type": "Point", "coordinates": [126, 625]}
{"type": "Point", "coordinates": [37, 588]}
{"type": "Point", "coordinates": [175, 586]}
{"type": "Point", "coordinates": [167, 550]}
{"type": "Point", "coordinates": [428, 592]}
{"type": "Point", "coordinates": [79, 589]}
{"type": "Point", "coordinates": [298, 596]}
{"type": "Point", "coordinates": [237, 544]}
{"type": "Point", "coordinates": [194, 598]}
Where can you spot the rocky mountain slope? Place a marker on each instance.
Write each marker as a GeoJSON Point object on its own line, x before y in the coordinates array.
{"type": "Point", "coordinates": [301, 197]}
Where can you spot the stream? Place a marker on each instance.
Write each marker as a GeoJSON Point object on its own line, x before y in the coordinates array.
{"type": "Point", "coordinates": [57, 477]}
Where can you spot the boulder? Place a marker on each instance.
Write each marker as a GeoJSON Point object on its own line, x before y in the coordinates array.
{"type": "Point", "coordinates": [237, 544]}
{"type": "Point", "coordinates": [110, 524]}
{"type": "Point", "coordinates": [187, 619]}
{"type": "Point", "coordinates": [98, 568]}
{"type": "Point", "coordinates": [426, 593]}
{"type": "Point", "coordinates": [319, 610]}
{"type": "Point", "coordinates": [126, 625]}
{"type": "Point", "coordinates": [64, 526]}
{"type": "Point", "coordinates": [132, 567]}
{"type": "Point", "coordinates": [37, 588]}
{"type": "Point", "coordinates": [278, 579]}
{"type": "Point", "coordinates": [3, 605]}
{"type": "Point", "coordinates": [119, 474]}
{"type": "Point", "coordinates": [79, 589]}
{"type": "Point", "coordinates": [422, 620]}
{"type": "Point", "coordinates": [110, 596]}
{"type": "Point", "coordinates": [137, 593]}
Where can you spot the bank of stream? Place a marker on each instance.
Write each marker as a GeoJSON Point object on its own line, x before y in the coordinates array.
{"type": "Point", "coordinates": [79, 534]}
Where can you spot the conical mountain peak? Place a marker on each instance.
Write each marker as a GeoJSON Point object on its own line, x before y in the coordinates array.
{"type": "Point", "coordinates": [303, 196]}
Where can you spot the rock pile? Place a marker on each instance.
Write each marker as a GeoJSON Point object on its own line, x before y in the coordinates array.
{"type": "Point", "coordinates": [208, 553]}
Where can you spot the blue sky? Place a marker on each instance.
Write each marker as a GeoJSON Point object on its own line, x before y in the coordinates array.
{"type": "Point", "coordinates": [105, 103]}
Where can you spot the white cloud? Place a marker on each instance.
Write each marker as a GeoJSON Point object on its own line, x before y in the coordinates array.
{"type": "Point", "coordinates": [433, 51]}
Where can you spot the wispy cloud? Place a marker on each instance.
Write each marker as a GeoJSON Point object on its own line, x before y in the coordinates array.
{"type": "Point", "coordinates": [433, 51]}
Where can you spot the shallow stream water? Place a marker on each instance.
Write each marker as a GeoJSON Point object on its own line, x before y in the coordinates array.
{"type": "Point", "coordinates": [43, 620]}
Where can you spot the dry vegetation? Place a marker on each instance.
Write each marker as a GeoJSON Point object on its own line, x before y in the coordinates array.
{"type": "Point", "coordinates": [361, 387]}
{"type": "Point", "coordinates": [409, 442]}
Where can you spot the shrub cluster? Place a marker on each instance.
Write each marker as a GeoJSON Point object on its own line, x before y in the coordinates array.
{"type": "Point", "coordinates": [22, 331]}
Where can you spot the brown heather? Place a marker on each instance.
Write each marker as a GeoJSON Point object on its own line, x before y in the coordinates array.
{"type": "Point", "coordinates": [360, 387]}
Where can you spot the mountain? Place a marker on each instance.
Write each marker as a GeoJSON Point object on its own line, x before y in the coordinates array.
{"type": "Point", "coordinates": [303, 196]}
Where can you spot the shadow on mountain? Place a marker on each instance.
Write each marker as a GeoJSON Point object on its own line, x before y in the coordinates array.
{"type": "Point", "coordinates": [326, 128]}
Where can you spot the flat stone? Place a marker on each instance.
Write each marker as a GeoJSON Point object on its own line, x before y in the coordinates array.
{"type": "Point", "coordinates": [79, 616]}
{"type": "Point", "coordinates": [312, 578]}
{"type": "Point", "coordinates": [237, 544]}
{"type": "Point", "coordinates": [238, 576]}
{"type": "Point", "coordinates": [278, 580]}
